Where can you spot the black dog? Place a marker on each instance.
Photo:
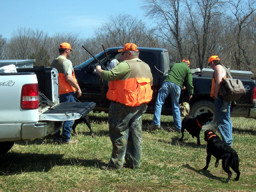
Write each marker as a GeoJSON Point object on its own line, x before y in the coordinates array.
{"type": "Point", "coordinates": [83, 120]}
{"type": "Point", "coordinates": [194, 125]}
{"type": "Point", "coordinates": [221, 150]}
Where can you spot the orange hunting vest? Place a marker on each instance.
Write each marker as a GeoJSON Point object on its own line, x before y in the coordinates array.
{"type": "Point", "coordinates": [134, 90]}
{"type": "Point", "coordinates": [64, 86]}
{"type": "Point", "coordinates": [214, 83]}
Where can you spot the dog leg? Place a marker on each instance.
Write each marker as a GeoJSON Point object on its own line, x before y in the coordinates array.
{"type": "Point", "coordinates": [235, 167]}
{"type": "Point", "coordinates": [229, 176]}
{"type": "Point", "coordinates": [208, 159]}
{"type": "Point", "coordinates": [198, 141]}
{"type": "Point", "coordinates": [225, 167]}
{"type": "Point", "coordinates": [237, 176]}
{"type": "Point", "coordinates": [74, 127]}
{"type": "Point", "coordinates": [182, 134]}
{"type": "Point", "coordinates": [87, 122]}
{"type": "Point", "coordinates": [217, 162]}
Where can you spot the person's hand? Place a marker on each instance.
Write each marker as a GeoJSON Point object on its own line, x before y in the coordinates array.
{"type": "Point", "coordinates": [98, 69]}
{"type": "Point", "coordinates": [190, 97]}
{"type": "Point", "coordinates": [79, 93]}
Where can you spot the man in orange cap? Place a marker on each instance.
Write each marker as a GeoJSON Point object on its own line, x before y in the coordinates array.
{"type": "Point", "coordinates": [129, 91]}
{"type": "Point", "coordinates": [68, 86]}
{"type": "Point", "coordinates": [222, 108]}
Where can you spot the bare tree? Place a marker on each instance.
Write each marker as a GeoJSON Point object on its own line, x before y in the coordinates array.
{"type": "Point", "coordinates": [203, 24]}
{"type": "Point", "coordinates": [77, 53]}
{"type": "Point", "coordinates": [122, 29]}
{"type": "Point", "coordinates": [167, 15]}
{"type": "Point", "coordinates": [242, 17]}
{"type": "Point", "coordinates": [28, 44]}
{"type": "Point", "coordinates": [118, 31]}
{"type": "Point", "coordinates": [2, 44]}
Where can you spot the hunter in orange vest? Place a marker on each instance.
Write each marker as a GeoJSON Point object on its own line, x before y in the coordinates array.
{"type": "Point", "coordinates": [130, 91]}
{"type": "Point", "coordinates": [68, 88]}
{"type": "Point", "coordinates": [222, 108]}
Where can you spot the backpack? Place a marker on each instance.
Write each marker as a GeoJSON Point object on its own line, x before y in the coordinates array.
{"type": "Point", "coordinates": [231, 89]}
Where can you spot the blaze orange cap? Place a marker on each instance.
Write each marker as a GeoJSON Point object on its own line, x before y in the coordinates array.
{"type": "Point", "coordinates": [65, 45]}
{"type": "Point", "coordinates": [214, 58]}
{"type": "Point", "coordinates": [129, 47]}
{"type": "Point", "coordinates": [187, 61]}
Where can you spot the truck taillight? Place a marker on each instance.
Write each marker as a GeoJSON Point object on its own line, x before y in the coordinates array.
{"type": "Point", "coordinates": [29, 96]}
{"type": "Point", "coordinates": [254, 95]}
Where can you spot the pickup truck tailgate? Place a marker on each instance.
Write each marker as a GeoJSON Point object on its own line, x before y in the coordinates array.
{"type": "Point", "coordinates": [67, 111]}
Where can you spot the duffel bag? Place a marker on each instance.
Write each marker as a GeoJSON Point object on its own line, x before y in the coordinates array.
{"type": "Point", "coordinates": [232, 89]}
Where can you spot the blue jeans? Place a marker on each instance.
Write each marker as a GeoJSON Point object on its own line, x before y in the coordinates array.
{"type": "Point", "coordinates": [174, 90]}
{"type": "Point", "coordinates": [67, 125]}
{"type": "Point", "coordinates": [223, 120]}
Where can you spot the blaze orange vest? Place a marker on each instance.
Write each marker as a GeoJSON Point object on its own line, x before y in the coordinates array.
{"type": "Point", "coordinates": [213, 86]}
{"type": "Point", "coordinates": [64, 86]}
{"type": "Point", "coordinates": [134, 90]}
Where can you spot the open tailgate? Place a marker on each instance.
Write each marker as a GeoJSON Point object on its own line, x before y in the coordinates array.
{"type": "Point", "coordinates": [67, 111]}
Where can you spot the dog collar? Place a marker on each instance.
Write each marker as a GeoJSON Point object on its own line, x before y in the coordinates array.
{"type": "Point", "coordinates": [214, 135]}
{"type": "Point", "coordinates": [199, 124]}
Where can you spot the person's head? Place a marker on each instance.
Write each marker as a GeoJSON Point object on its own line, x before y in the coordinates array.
{"type": "Point", "coordinates": [129, 51]}
{"type": "Point", "coordinates": [186, 61]}
{"type": "Point", "coordinates": [65, 49]}
{"type": "Point", "coordinates": [213, 60]}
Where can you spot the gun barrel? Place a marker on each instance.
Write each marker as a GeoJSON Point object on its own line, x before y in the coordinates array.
{"type": "Point", "coordinates": [102, 66]}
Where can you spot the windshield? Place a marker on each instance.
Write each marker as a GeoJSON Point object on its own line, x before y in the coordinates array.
{"type": "Point", "coordinates": [89, 61]}
{"type": "Point", "coordinates": [101, 57]}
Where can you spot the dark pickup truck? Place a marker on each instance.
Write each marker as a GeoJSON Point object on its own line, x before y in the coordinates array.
{"type": "Point", "coordinates": [94, 89]}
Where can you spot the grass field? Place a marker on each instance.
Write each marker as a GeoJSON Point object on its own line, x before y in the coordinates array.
{"type": "Point", "coordinates": [167, 164]}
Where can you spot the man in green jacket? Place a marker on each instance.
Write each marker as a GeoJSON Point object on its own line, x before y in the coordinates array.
{"type": "Point", "coordinates": [179, 75]}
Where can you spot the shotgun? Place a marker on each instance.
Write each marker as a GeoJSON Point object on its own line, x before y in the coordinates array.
{"type": "Point", "coordinates": [102, 66]}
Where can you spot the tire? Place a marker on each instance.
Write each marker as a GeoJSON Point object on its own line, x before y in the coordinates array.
{"type": "Point", "coordinates": [5, 147]}
{"type": "Point", "coordinates": [203, 106]}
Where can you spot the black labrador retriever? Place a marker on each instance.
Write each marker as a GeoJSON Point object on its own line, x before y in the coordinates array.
{"type": "Point", "coordinates": [221, 150]}
{"type": "Point", "coordinates": [84, 119]}
{"type": "Point", "coordinates": [194, 125]}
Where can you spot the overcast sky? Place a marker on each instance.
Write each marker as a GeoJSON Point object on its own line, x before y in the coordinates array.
{"type": "Point", "coordinates": [81, 17]}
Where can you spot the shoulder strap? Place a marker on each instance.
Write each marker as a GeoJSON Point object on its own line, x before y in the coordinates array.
{"type": "Point", "coordinates": [228, 72]}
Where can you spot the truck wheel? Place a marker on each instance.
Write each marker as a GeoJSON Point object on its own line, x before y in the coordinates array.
{"type": "Point", "coordinates": [5, 147]}
{"type": "Point", "coordinates": [201, 107]}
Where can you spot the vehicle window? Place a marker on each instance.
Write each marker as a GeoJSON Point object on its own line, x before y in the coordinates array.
{"type": "Point", "coordinates": [89, 61]}
{"type": "Point", "coordinates": [149, 58]}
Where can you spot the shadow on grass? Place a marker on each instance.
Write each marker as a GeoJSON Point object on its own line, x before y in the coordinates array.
{"type": "Point", "coordinates": [17, 163]}
{"type": "Point", "coordinates": [244, 131]}
{"type": "Point", "coordinates": [165, 125]}
{"type": "Point", "coordinates": [204, 173]}
{"type": "Point", "coordinates": [175, 141]}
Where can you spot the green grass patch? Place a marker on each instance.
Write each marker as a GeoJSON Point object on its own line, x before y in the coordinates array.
{"type": "Point", "coordinates": [167, 164]}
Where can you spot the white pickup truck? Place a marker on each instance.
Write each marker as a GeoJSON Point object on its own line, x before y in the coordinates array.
{"type": "Point", "coordinates": [30, 108]}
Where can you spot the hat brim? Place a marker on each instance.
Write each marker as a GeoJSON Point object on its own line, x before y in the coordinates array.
{"type": "Point", "coordinates": [120, 50]}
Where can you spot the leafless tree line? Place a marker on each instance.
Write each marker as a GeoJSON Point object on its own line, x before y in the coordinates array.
{"type": "Point", "coordinates": [192, 29]}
